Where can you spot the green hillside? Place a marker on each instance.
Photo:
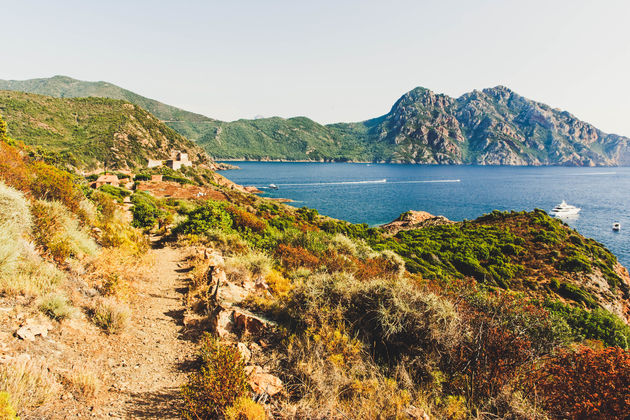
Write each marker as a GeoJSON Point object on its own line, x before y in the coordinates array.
{"type": "Point", "coordinates": [67, 87]}
{"type": "Point", "coordinates": [93, 130]}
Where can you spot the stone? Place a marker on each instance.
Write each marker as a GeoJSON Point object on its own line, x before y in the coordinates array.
{"type": "Point", "coordinates": [224, 325]}
{"type": "Point", "coordinates": [246, 354]}
{"type": "Point", "coordinates": [32, 328]}
{"type": "Point", "coordinates": [247, 324]}
{"type": "Point", "coordinates": [416, 413]}
{"type": "Point", "coordinates": [263, 382]}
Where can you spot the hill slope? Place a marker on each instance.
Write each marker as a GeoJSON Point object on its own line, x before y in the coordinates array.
{"type": "Point", "coordinates": [495, 126]}
{"type": "Point", "coordinates": [94, 130]}
{"type": "Point", "coordinates": [67, 87]}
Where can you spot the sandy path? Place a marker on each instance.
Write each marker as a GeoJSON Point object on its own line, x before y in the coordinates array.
{"type": "Point", "coordinates": [148, 372]}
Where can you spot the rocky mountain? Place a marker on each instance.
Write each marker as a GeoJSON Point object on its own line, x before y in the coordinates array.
{"type": "Point", "coordinates": [93, 131]}
{"type": "Point", "coordinates": [495, 126]}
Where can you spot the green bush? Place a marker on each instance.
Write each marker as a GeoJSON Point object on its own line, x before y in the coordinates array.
{"type": "Point", "coordinates": [118, 193]}
{"type": "Point", "coordinates": [575, 263]}
{"type": "Point", "coordinates": [211, 215]}
{"type": "Point", "coordinates": [142, 177]}
{"type": "Point", "coordinates": [598, 324]}
{"type": "Point", "coordinates": [145, 211]}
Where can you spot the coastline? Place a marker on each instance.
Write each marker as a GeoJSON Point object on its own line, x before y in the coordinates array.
{"type": "Point", "coordinates": [219, 160]}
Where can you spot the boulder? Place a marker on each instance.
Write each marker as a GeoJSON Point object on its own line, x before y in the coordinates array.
{"type": "Point", "coordinates": [263, 382]}
{"type": "Point", "coordinates": [414, 220]}
{"type": "Point", "coordinates": [248, 324]}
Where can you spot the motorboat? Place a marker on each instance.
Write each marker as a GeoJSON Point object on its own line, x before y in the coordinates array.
{"type": "Point", "coordinates": [273, 187]}
{"type": "Point", "coordinates": [563, 209]}
{"type": "Point", "coordinates": [616, 226]}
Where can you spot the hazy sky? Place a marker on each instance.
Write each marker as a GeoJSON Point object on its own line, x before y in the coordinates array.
{"type": "Point", "coordinates": [329, 60]}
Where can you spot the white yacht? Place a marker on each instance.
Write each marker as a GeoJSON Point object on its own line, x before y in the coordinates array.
{"type": "Point", "coordinates": [616, 226]}
{"type": "Point", "coordinates": [273, 187]}
{"type": "Point", "coordinates": [564, 209]}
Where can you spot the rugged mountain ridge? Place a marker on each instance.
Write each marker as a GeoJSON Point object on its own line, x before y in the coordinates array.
{"type": "Point", "coordinates": [92, 132]}
{"type": "Point", "coordinates": [494, 126]}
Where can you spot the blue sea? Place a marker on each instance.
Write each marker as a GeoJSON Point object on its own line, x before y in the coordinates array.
{"type": "Point", "coordinates": [379, 193]}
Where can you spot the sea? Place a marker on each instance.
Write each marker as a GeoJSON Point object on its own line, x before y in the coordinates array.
{"type": "Point", "coordinates": [379, 193]}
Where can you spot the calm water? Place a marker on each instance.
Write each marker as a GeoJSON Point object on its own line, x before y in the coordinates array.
{"type": "Point", "coordinates": [357, 193]}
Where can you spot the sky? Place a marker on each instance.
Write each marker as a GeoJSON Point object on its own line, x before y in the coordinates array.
{"type": "Point", "coordinates": [329, 60]}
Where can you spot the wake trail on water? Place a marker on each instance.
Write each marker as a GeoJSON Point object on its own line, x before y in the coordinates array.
{"type": "Point", "coordinates": [377, 181]}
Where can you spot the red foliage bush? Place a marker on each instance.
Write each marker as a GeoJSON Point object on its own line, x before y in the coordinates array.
{"type": "Point", "coordinates": [50, 183]}
{"type": "Point", "coordinates": [586, 384]}
{"type": "Point", "coordinates": [507, 334]}
{"type": "Point", "coordinates": [244, 219]}
{"type": "Point", "coordinates": [335, 262]}
{"type": "Point", "coordinates": [295, 256]}
{"type": "Point", "coordinates": [37, 179]}
{"type": "Point", "coordinates": [14, 170]}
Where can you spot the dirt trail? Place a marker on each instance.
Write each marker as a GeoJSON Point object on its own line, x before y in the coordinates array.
{"type": "Point", "coordinates": [149, 370]}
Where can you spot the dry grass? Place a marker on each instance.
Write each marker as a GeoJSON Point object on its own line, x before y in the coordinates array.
{"type": "Point", "coordinates": [29, 384]}
{"type": "Point", "coordinates": [22, 270]}
{"type": "Point", "coordinates": [247, 267]}
{"type": "Point", "coordinates": [83, 382]}
{"type": "Point", "coordinates": [57, 307]}
{"type": "Point", "coordinates": [115, 270]}
{"type": "Point", "coordinates": [58, 230]}
{"type": "Point", "coordinates": [15, 225]}
{"type": "Point", "coordinates": [109, 315]}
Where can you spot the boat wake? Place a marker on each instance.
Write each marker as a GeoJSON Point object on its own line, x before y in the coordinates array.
{"type": "Point", "coordinates": [376, 181]}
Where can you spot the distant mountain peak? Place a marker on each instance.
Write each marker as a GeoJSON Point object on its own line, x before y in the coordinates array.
{"type": "Point", "coordinates": [490, 126]}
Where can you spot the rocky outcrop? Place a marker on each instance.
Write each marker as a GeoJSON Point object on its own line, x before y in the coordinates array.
{"type": "Point", "coordinates": [414, 220]}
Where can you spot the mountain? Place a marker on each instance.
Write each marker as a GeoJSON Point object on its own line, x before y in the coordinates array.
{"type": "Point", "coordinates": [495, 126]}
{"type": "Point", "coordinates": [67, 87]}
{"type": "Point", "coordinates": [93, 130]}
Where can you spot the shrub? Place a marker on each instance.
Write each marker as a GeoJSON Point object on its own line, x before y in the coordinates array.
{"type": "Point", "coordinates": [392, 316]}
{"type": "Point", "coordinates": [84, 382]}
{"type": "Point", "coordinates": [50, 184]}
{"type": "Point", "coordinates": [247, 266]}
{"type": "Point", "coordinates": [57, 307]}
{"type": "Point", "coordinates": [29, 384]}
{"type": "Point", "coordinates": [219, 383]}
{"type": "Point", "coordinates": [598, 324]}
{"type": "Point", "coordinates": [58, 231]}
{"type": "Point", "coordinates": [293, 257]}
{"type": "Point", "coordinates": [118, 193]}
{"type": "Point", "coordinates": [278, 284]}
{"type": "Point", "coordinates": [15, 225]}
{"type": "Point", "coordinates": [586, 383]}
{"type": "Point", "coordinates": [212, 215]}
{"type": "Point", "coordinates": [7, 412]}
{"type": "Point", "coordinates": [245, 409]}
{"type": "Point", "coordinates": [145, 211]}
{"type": "Point", "coordinates": [109, 315]}
{"type": "Point", "coordinates": [245, 220]}
{"type": "Point", "coordinates": [576, 263]}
